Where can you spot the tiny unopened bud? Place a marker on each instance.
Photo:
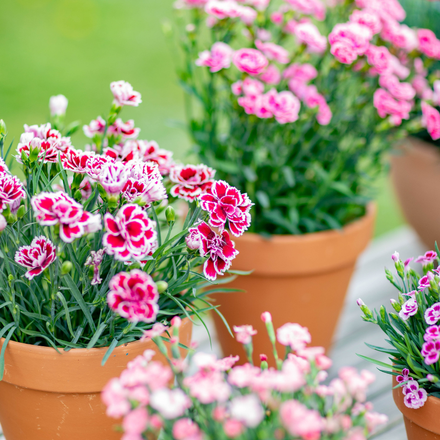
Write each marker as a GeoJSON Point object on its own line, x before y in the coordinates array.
{"type": "Point", "coordinates": [21, 211]}
{"type": "Point", "coordinates": [190, 28]}
{"type": "Point", "coordinates": [66, 267]}
{"type": "Point", "coordinates": [3, 130]}
{"type": "Point", "coordinates": [360, 303]}
{"type": "Point", "coordinates": [263, 358]}
{"type": "Point", "coordinates": [389, 275]}
{"type": "Point", "coordinates": [364, 308]}
{"type": "Point", "coordinates": [193, 345]}
{"type": "Point", "coordinates": [170, 214]}
{"type": "Point", "coordinates": [266, 317]}
{"type": "Point", "coordinates": [58, 105]}
{"type": "Point", "coordinates": [395, 257]}
{"type": "Point", "coordinates": [174, 340]}
{"type": "Point", "coordinates": [396, 305]}
{"type": "Point", "coordinates": [382, 313]}
{"type": "Point", "coordinates": [10, 279]}
{"type": "Point", "coordinates": [432, 378]}
{"type": "Point", "coordinates": [176, 322]}
{"type": "Point", "coordinates": [3, 223]}
{"type": "Point", "coordinates": [161, 286]}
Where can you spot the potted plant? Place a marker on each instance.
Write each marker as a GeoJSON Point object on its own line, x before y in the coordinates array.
{"type": "Point", "coordinates": [413, 343]}
{"type": "Point", "coordinates": [223, 401]}
{"type": "Point", "coordinates": [296, 104]}
{"type": "Point", "coordinates": [415, 165]}
{"type": "Point", "coordinates": [91, 257]}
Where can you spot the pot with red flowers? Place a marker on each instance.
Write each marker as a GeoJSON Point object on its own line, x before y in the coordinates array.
{"type": "Point", "coordinates": [296, 103]}
{"type": "Point", "coordinates": [92, 257]}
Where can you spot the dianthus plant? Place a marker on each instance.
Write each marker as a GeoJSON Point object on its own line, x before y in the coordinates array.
{"type": "Point", "coordinates": [412, 332]}
{"type": "Point", "coordinates": [296, 102]}
{"type": "Point", "coordinates": [90, 240]}
{"type": "Point", "coordinates": [223, 401]}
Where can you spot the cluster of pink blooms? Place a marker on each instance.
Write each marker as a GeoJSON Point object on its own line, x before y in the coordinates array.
{"type": "Point", "coordinates": [237, 399]}
{"type": "Point", "coordinates": [129, 176]}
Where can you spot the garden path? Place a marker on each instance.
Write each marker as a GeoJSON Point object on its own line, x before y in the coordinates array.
{"type": "Point", "coordinates": [370, 284]}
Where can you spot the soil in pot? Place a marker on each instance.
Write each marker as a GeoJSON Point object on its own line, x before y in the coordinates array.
{"type": "Point", "coordinates": [298, 279]}
{"type": "Point", "coordinates": [415, 172]}
{"type": "Point", "coordinates": [422, 423]}
{"type": "Point", "coordinates": [50, 396]}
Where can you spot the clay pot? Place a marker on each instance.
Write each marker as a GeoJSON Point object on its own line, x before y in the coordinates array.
{"type": "Point", "coordinates": [415, 172]}
{"type": "Point", "coordinates": [422, 423]}
{"type": "Point", "coordinates": [50, 396]}
{"type": "Point", "coordinates": [301, 279]}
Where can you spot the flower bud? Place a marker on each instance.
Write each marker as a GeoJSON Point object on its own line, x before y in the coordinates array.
{"type": "Point", "coordinates": [170, 214]}
{"type": "Point", "coordinates": [58, 105]}
{"type": "Point", "coordinates": [364, 308]}
{"type": "Point", "coordinates": [389, 275]}
{"type": "Point", "coordinates": [395, 257]}
{"type": "Point", "coordinates": [21, 211]}
{"type": "Point", "coordinates": [3, 223]}
{"type": "Point", "coordinates": [432, 378]}
{"type": "Point", "coordinates": [66, 267]}
{"type": "Point", "coordinates": [396, 305]}
{"type": "Point", "coordinates": [161, 286]}
{"type": "Point", "coordinates": [3, 130]}
{"type": "Point", "coordinates": [176, 322]}
{"type": "Point", "coordinates": [77, 196]}
{"type": "Point", "coordinates": [382, 313]}
{"type": "Point", "coordinates": [266, 317]}
{"type": "Point", "coordinates": [264, 365]}
{"type": "Point", "coordinates": [10, 279]}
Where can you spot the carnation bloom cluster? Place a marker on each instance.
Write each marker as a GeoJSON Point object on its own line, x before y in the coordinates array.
{"type": "Point", "coordinates": [224, 398]}
{"type": "Point", "coordinates": [304, 99]}
{"type": "Point", "coordinates": [413, 328]}
{"type": "Point", "coordinates": [90, 240]}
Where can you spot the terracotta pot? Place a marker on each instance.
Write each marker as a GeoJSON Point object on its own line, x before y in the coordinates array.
{"type": "Point", "coordinates": [301, 279]}
{"type": "Point", "coordinates": [50, 396]}
{"type": "Point", "coordinates": [422, 423]}
{"type": "Point", "coordinates": [415, 172]}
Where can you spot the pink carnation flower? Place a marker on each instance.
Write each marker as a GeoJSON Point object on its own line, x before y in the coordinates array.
{"type": "Point", "coordinates": [252, 87]}
{"type": "Point", "coordinates": [429, 257]}
{"type": "Point", "coordinates": [134, 296]}
{"type": "Point", "coordinates": [294, 336]}
{"type": "Point", "coordinates": [222, 9]}
{"type": "Point", "coordinates": [301, 421]}
{"type": "Point", "coordinates": [144, 191]}
{"type": "Point", "coordinates": [149, 151]}
{"type": "Point", "coordinates": [58, 208]}
{"type": "Point", "coordinates": [404, 377]}
{"type": "Point", "coordinates": [227, 204]}
{"type": "Point", "coordinates": [431, 352]}
{"type": "Point", "coordinates": [113, 177]}
{"type": "Point", "coordinates": [218, 58]}
{"type": "Point", "coordinates": [76, 160]}
{"type": "Point", "coordinates": [247, 15]}
{"type": "Point", "coordinates": [428, 43]}
{"type": "Point", "coordinates": [244, 333]}
{"type": "Point", "coordinates": [219, 249]}
{"type": "Point", "coordinates": [432, 333]}
{"type": "Point", "coordinates": [36, 257]}
{"type": "Point", "coordinates": [191, 181]}
{"type": "Point", "coordinates": [186, 429]}
{"type": "Point", "coordinates": [247, 410]}
{"type": "Point", "coordinates": [96, 126]}
{"type": "Point", "coordinates": [285, 107]}
{"type": "Point", "coordinates": [310, 7]}
{"type": "Point", "coordinates": [58, 105]}
{"type": "Point", "coordinates": [271, 75]}
{"type": "Point", "coordinates": [379, 57]}
{"type": "Point", "coordinates": [432, 314]}
{"type": "Point", "coordinates": [273, 51]}
{"type": "Point", "coordinates": [250, 61]}
{"type": "Point", "coordinates": [130, 234]}
{"type": "Point", "coordinates": [124, 94]}
{"type": "Point", "coordinates": [367, 18]}
{"type": "Point", "coordinates": [343, 52]}
{"type": "Point", "coordinates": [431, 120]}
{"type": "Point", "coordinates": [399, 35]}
{"type": "Point", "coordinates": [126, 130]}
{"type": "Point", "coordinates": [387, 105]}
{"type": "Point", "coordinates": [409, 309]}
{"type": "Point", "coordinates": [352, 34]}
{"type": "Point", "coordinates": [415, 397]}
{"type": "Point", "coordinates": [403, 91]}
{"type": "Point", "coordinates": [301, 72]}
{"type": "Point", "coordinates": [308, 34]}
{"type": "Point", "coordinates": [170, 404]}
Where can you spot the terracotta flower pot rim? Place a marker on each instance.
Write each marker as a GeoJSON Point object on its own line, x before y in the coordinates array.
{"type": "Point", "coordinates": [425, 417]}
{"type": "Point", "coordinates": [302, 255]}
{"type": "Point", "coordinates": [42, 364]}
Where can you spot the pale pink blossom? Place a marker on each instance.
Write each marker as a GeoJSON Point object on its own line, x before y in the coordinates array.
{"type": "Point", "coordinates": [379, 57]}
{"type": "Point", "coordinates": [432, 333]}
{"type": "Point", "coordinates": [399, 90]}
{"type": "Point", "coordinates": [233, 428]}
{"type": "Point", "coordinates": [247, 410]}
{"type": "Point", "coordinates": [244, 333]}
{"type": "Point", "coordinates": [243, 375]}
{"type": "Point", "coordinates": [218, 58]}
{"type": "Point", "coordinates": [252, 87]}
{"type": "Point", "coordinates": [135, 422]}
{"type": "Point", "coordinates": [247, 15]}
{"type": "Point", "coordinates": [171, 404]}
{"type": "Point", "coordinates": [387, 105]}
{"type": "Point", "coordinates": [277, 17]}
{"type": "Point", "coordinates": [124, 94]}
{"type": "Point", "coordinates": [432, 314]}
{"type": "Point", "coordinates": [266, 317]}
{"type": "Point", "coordinates": [222, 9]}
{"type": "Point", "coordinates": [367, 18]}
{"type": "Point", "coordinates": [302, 72]}
{"type": "Point", "coordinates": [343, 52]}
{"type": "Point", "coordinates": [301, 421]}
{"type": "Point", "coordinates": [208, 387]}
{"type": "Point", "coordinates": [271, 75]}
{"type": "Point", "coordinates": [115, 397]}
{"type": "Point", "coordinates": [399, 35]}
{"type": "Point", "coordinates": [58, 105]}
{"type": "Point", "coordinates": [428, 43]}
{"type": "Point", "coordinates": [431, 120]}
{"type": "Point", "coordinates": [186, 429]}
{"type": "Point", "coordinates": [421, 86]}
{"type": "Point", "coordinates": [294, 336]}
{"type": "Point", "coordinates": [3, 223]}
{"type": "Point", "coordinates": [431, 352]}
{"type": "Point", "coordinates": [310, 7]}
{"type": "Point", "coordinates": [155, 331]}
{"type": "Point", "coordinates": [425, 281]}
{"type": "Point", "coordinates": [113, 177]}
{"type": "Point", "coordinates": [308, 34]}
{"type": "Point", "coordinates": [237, 88]}
{"type": "Point", "coordinates": [250, 61]}
{"type": "Point", "coordinates": [285, 107]}
{"type": "Point", "coordinates": [264, 34]}
{"type": "Point", "coordinates": [273, 51]}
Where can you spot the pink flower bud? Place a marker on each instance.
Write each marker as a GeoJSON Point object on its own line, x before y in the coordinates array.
{"type": "Point", "coordinates": [266, 317]}
{"type": "Point", "coordinates": [263, 358]}
{"type": "Point", "coordinates": [360, 303]}
{"type": "Point", "coordinates": [58, 105]}
{"type": "Point", "coordinates": [176, 322]}
{"type": "Point", "coordinates": [395, 257]}
{"type": "Point", "coordinates": [156, 422]}
{"type": "Point", "coordinates": [219, 414]}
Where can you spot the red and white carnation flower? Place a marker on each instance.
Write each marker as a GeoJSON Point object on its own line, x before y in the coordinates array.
{"type": "Point", "coordinates": [11, 192]}
{"type": "Point", "coordinates": [134, 296]}
{"type": "Point", "coordinates": [36, 257]}
{"type": "Point", "coordinates": [124, 94]}
{"type": "Point", "coordinates": [191, 181]}
{"type": "Point", "coordinates": [227, 204]}
{"type": "Point", "coordinates": [219, 249]}
{"type": "Point", "coordinates": [59, 209]}
{"type": "Point", "coordinates": [130, 234]}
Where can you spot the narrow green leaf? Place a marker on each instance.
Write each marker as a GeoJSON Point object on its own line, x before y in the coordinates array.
{"type": "Point", "coordinates": [96, 336]}
{"type": "Point", "coordinates": [2, 354]}
{"type": "Point", "coordinates": [109, 351]}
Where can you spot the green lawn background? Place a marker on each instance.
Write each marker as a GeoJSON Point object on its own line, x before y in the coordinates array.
{"type": "Point", "coordinates": [77, 47]}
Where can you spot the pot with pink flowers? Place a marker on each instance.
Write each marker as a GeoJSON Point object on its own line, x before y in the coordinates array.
{"type": "Point", "coordinates": [413, 342]}
{"type": "Point", "coordinates": [296, 104]}
{"type": "Point", "coordinates": [91, 263]}
{"type": "Point", "coordinates": [222, 400]}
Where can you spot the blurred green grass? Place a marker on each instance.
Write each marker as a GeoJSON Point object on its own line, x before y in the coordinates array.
{"type": "Point", "coordinates": [77, 47]}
